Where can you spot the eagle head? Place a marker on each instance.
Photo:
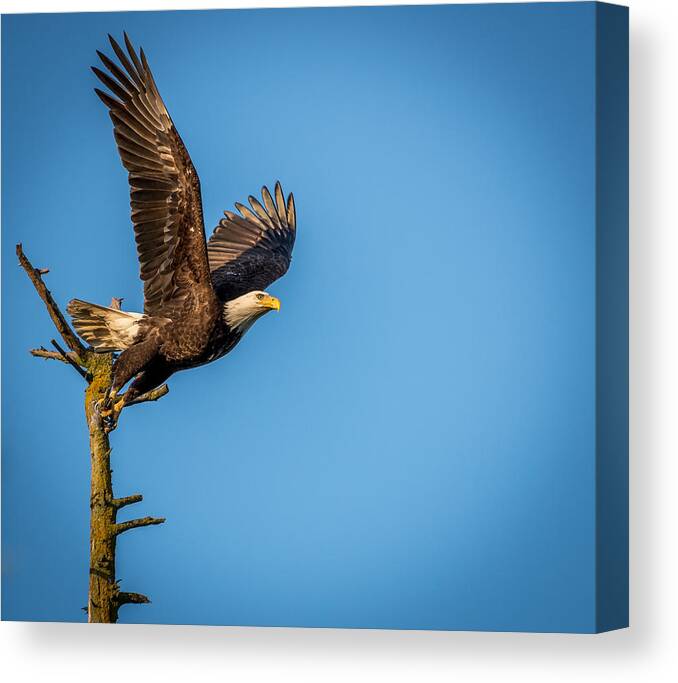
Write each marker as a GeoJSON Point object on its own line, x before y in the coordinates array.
{"type": "Point", "coordinates": [242, 312]}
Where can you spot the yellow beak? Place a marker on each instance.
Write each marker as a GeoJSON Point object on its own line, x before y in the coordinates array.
{"type": "Point", "coordinates": [270, 302]}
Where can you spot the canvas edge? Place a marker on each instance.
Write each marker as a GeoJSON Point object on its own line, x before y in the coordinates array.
{"type": "Point", "coordinates": [612, 318]}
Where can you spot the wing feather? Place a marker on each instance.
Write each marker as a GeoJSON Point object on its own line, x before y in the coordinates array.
{"type": "Point", "coordinates": [166, 205]}
{"type": "Point", "coordinates": [252, 249]}
{"type": "Point", "coordinates": [280, 204]}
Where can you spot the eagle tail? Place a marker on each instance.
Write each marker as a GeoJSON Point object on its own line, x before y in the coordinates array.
{"type": "Point", "coordinates": [106, 329]}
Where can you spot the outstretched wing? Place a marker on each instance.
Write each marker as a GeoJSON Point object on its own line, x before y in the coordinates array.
{"type": "Point", "coordinates": [249, 251]}
{"type": "Point", "coordinates": [164, 186]}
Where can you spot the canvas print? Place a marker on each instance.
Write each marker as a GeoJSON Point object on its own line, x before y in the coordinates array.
{"type": "Point", "coordinates": [429, 430]}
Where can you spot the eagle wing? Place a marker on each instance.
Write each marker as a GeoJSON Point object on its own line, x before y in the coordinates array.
{"type": "Point", "coordinates": [249, 251]}
{"type": "Point", "coordinates": [164, 186]}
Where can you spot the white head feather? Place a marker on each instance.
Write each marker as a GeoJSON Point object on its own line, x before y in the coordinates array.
{"type": "Point", "coordinates": [243, 312]}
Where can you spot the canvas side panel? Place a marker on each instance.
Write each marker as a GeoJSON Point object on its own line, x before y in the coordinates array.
{"type": "Point", "coordinates": [612, 306]}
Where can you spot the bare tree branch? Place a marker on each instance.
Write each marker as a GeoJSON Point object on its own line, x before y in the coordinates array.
{"type": "Point", "coordinates": [67, 359]}
{"type": "Point", "coordinates": [132, 598]}
{"type": "Point", "coordinates": [121, 527]}
{"type": "Point", "coordinates": [64, 329]}
{"type": "Point", "coordinates": [127, 500]}
{"type": "Point", "coordinates": [42, 352]}
{"type": "Point", "coordinates": [47, 355]}
{"type": "Point", "coordinates": [152, 395]}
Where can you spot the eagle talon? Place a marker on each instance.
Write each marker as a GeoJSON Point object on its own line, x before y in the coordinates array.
{"type": "Point", "coordinates": [105, 404]}
{"type": "Point", "coordinates": [111, 415]}
{"type": "Point", "coordinates": [108, 428]}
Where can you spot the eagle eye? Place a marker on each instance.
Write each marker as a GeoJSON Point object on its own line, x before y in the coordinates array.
{"type": "Point", "coordinates": [260, 296]}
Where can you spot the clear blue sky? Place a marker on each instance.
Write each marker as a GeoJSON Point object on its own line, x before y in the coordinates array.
{"type": "Point", "coordinates": [409, 443]}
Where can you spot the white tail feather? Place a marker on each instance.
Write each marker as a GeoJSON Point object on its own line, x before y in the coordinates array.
{"type": "Point", "coordinates": [106, 329]}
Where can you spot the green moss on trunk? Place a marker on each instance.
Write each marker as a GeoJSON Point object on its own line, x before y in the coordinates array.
{"type": "Point", "coordinates": [102, 604]}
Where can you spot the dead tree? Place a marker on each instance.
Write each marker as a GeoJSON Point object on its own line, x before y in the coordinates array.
{"type": "Point", "coordinates": [104, 597]}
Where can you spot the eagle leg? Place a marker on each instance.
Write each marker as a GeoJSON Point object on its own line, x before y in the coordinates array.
{"type": "Point", "coordinates": [132, 362]}
{"type": "Point", "coordinates": [145, 381]}
{"type": "Point", "coordinates": [153, 376]}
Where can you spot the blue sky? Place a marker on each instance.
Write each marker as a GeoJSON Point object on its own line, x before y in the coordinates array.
{"type": "Point", "coordinates": [410, 442]}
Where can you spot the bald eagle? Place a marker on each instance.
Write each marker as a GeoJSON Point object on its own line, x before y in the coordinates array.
{"type": "Point", "coordinates": [200, 297]}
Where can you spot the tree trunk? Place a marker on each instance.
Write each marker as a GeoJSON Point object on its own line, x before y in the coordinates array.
{"type": "Point", "coordinates": [105, 597]}
{"type": "Point", "coordinates": [102, 603]}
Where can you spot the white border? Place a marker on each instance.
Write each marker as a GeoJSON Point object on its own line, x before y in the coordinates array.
{"type": "Point", "coordinates": [646, 652]}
